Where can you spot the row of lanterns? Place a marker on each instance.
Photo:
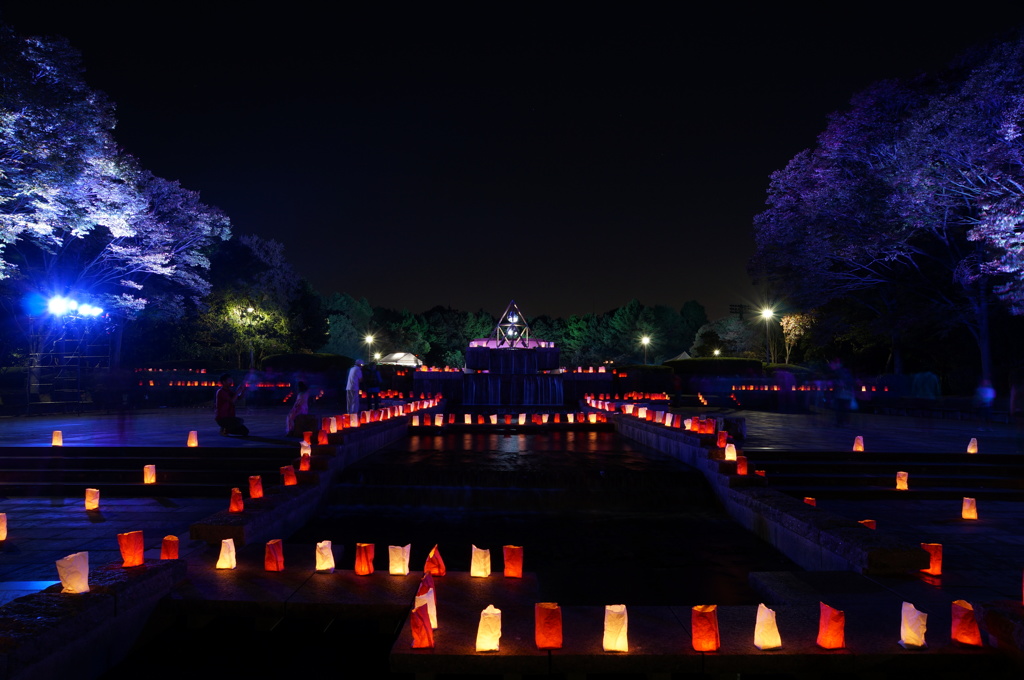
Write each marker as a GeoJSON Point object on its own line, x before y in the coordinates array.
{"type": "Point", "coordinates": [858, 444]}
{"type": "Point", "coordinates": [439, 419]}
{"type": "Point", "coordinates": [628, 396]}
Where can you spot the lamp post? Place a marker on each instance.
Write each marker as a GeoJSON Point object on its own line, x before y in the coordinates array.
{"type": "Point", "coordinates": [767, 315]}
{"type": "Point", "coordinates": [249, 311]}
{"type": "Point", "coordinates": [369, 346]}
{"type": "Point", "coordinates": [646, 340]}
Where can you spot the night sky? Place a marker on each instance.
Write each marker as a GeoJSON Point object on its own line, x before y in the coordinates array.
{"type": "Point", "coordinates": [571, 159]}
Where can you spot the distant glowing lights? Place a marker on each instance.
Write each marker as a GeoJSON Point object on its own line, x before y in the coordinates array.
{"type": "Point", "coordinates": [62, 306]}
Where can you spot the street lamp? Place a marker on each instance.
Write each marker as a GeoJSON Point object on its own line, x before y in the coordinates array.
{"type": "Point", "coordinates": [717, 352]}
{"type": "Point", "coordinates": [646, 340]}
{"type": "Point", "coordinates": [369, 346]}
{"type": "Point", "coordinates": [767, 315]}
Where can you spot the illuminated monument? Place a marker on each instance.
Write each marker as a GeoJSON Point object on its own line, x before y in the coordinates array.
{"type": "Point", "coordinates": [510, 368]}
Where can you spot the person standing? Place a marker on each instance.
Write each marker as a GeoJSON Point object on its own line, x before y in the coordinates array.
{"type": "Point", "coordinates": [224, 407]}
{"type": "Point", "coordinates": [355, 376]}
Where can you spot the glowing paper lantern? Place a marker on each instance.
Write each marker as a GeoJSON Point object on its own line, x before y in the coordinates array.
{"type": "Point", "coordinates": [419, 620]}
{"type": "Point", "coordinates": [704, 624]}
{"type": "Point", "coordinates": [255, 486]}
{"type": "Point", "coordinates": [935, 558]}
{"type": "Point", "coordinates": [321, 438]}
{"type": "Point", "coordinates": [668, 419]}
{"type": "Point", "coordinates": [149, 474]}
{"type": "Point", "coordinates": [969, 509]}
{"type": "Point", "coordinates": [92, 499]}
{"type": "Point", "coordinates": [169, 548]}
{"type": "Point", "coordinates": [467, 419]}
{"type": "Point", "coordinates": [766, 632]}
{"type": "Point", "coordinates": [831, 627]}
{"type": "Point", "coordinates": [488, 633]}
{"type": "Point", "coordinates": [972, 446]}
{"type": "Point", "coordinates": [913, 624]}
{"type": "Point", "coordinates": [288, 476]}
{"type": "Point", "coordinates": [273, 556]}
{"type": "Point", "coordinates": [3, 526]}
{"type": "Point", "coordinates": [193, 439]}
{"type": "Point", "coordinates": [616, 628]}
{"type": "Point", "coordinates": [741, 465]}
{"type": "Point", "coordinates": [131, 546]}
{"type": "Point", "coordinates": [547, 625]}
{"type": "Point", "coordinates": [236, 504]}
{"type": "Point", "coordinates": [307, 437]}
{"type": "Point", "coordinates": [57, 438]}
{"type": "Point", "coordinates": [480, 566]}
{"type": "Point", "coordinates": [723, 437]}
{"type": "Point", "coordinates": [73, 571]}
{"type": "Point", "coordinates": [332, 424]}
{"type": "Point", "coordinates": [901, 481]}
{"type": "Point", "coordinates": [434, 565]}
{"type": "Point", "coordinates": [324, 557]}
{"type": "Point", "coordinates": [304, 462]}
{"type": "Point", "coordinates": [869, 523]}
{"type": "Point", "coordinates": [513, 561]}
{"type": "Point", "coordinates": [810, 501]}
{"type": "Point", "coordinates": [415, 421]}
{"type": "Point", "coordinates": [438, 419]}
{"type": "Point", "coordinates": [494, 418]}
{"type": "Point", "coordinates": [426, 590]}
{"type": "Point", "coordinates": [591, 418]}
{"type": "Point", "coordinates": [364, 559]}
{"type": "Point", "coordinates": [226, 559]}
{"type": "Point", "coordinates": [305, 449]}
{"type": "Point", "coordinates": [398, 559]}
{"type": "Point", "coordinates": [965, 625]}
{"type": "Point", "coordinates": [730, 452]}
{"type": "Point", "coordinates": [858, 443]}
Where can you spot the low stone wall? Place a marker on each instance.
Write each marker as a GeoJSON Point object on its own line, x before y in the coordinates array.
{"type": "Point", "coordinates": [813, 538]}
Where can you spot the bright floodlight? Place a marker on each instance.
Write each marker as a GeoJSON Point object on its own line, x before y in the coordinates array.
{"type": "Point", "coordinates": [717, 352]}
{"type": "Point", "coordinates": [767, 313]}
{"type": "Point", "coordinates": [89, 310]}
{"type": "Point", "coordinates": [645, 340]}
{"type": "Point", "coordinates": [58, 306]}
{"type": "Point", "coordinates": [368, 339]}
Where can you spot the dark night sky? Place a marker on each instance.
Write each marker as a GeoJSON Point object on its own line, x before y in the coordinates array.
{"type": "Point", "coordinates": [572, 159]}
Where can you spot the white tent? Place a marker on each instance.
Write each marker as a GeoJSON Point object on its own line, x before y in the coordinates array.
{"type": "Point", "coordinates": [684, 355]}
{"type": "Point", "coordinates": [400, 359]}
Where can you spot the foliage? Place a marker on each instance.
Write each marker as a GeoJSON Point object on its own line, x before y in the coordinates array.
{"type": "Point", "coordinates": [732, 335]}
{"type": "Point", "coordinates": [794, 327]}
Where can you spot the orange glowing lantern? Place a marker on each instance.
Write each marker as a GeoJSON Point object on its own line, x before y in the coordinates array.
{"type": "Point", "coordinates": [149, 474]}
{"type": "Point", "coordinates": [513, 561]}
{"type": "Point", "coordinates": [434, 564]}
{"type": "Point", "coordinates": [547, 625]}
{"type": "Point", "coordinates": [570, 418]}
{"type": "Point", "coordinates": [810, 501]}
{"type": "Point", "coordinates": [325, 557]}
{"type": "Point", "coordinates": [273, 556]}
{"type": "Point", "coordinates": [730, 452]}
{"type": "Point", "coordinates": [305, 448]}
{"type": "Point", "coordinates": [438, 419]}
{"type": "Point", "coordinates": [741, 465]}
{"type": "Point", "coordinates": [480, 565]}
{"type": "Point", "coordinates": [965, 625]}
{"type": "Point", "coordinates": [307, 437]}
{"type": "Point", "coordinates": [704, 624]}
{"type": "Point", "coordinates": [913, 624]}
{"type": "Point", "coordinates": [73, 572]}
{"type": "Point", "coordinates": [255, 486]}
{"type": "Point", "coordinates": [304, 462]}
{"type": "Point", "coordinates": [759, 473]}
{"type": "Point", "coordinates": [426, 590]}
{"type": "Point", "coordinates": [398, 559]}
{"type": "Point", "coordinates": [591, 418]}
{"type": "Point", "coordinates": [723, 437]}
{"type": "Point", "coordinates": [364, 559]}
{"type": "Point", "coordinates": [236, 504]}
{"type": "Point", "coordinates": [467, 419]}
{"type": "Point", "coordinates": [935, 558]}
{"type": "Point", "coordinates": [616, 628]}
{"type": "Point", "coordinates": [419, 620]}
{"type": "Point", "coordinates": [288, 476]}
{"type": "Point", "coordinates": [831, 627]}
{"type": "Point", "coordinates": [766, 631]}
{"type": "Point", "coordinates": [901, 481]}
{"type": "Point", "coordinates": [57, 438]}
{"type": "Point", "coordinates": [169, 548]}
{"type": "Point", "coordinates": [415, 421]}
{"type": "Point", "coordinates": [321, 438]}
{"type": "Point", "coordinates": [488, 634]}
{"type": "Point", "coordinates": [508, 418]}
{"type": "Point", "coordinates": [858, 443]}
{"type": "Point", "coordinates": [869, 523]}
{"type": "Point", "coordinates": [972, 446]}
{"type": "Point", "coordinates": [226, 559]}
{"type": "Point", "coordinates": [3, 526]}
{"type": "Point", "coordinates": [131, 546]}
{"type": "Point", "coordinates": [493, 418]}
{"type": "Point", "coordinates": [969, 509]}
{"type": "Point", "coordinates": [193, 439]}
{"type": "Point", "coordinates": [92, 499]}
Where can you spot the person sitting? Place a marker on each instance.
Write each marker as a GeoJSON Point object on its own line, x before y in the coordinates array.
{"type": "Point", "coordinates": [224, 407]}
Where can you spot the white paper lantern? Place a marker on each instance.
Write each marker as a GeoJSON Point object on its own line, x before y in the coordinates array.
{"type": "Point", "coordinates": [766, 632]}
{"type": "Point", "coordinates": [616, 628]}
{"type": "Point", "coordinates": [480, 566]}
{"type": "Point", "coordinates": [324, 557]}
{"type": "Point", "coordinates": [913, 624]}
{"type": "Point", "coordinates": [92, 499]}
{"type": "Point", "coordinates": [730, 452]}
{"type": "Point", "coordinates": [226, 560]}
{"type": "Point", "coordinates": [73, 571]}
{"type": "Point", "coordinates": [398, 559]}
{"type": "Point", "coordinates": [488, 633]}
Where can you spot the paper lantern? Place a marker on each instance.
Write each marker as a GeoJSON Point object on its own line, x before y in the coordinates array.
{"type": "Point", "coordinates": [488, 633]}
{"type": "Point", "coordinates": [57, 438]}
{"type": "Point", "coordinates": [193, 439]}
{"type": "Point", "coordinates": [570, 418]}
{"type": "Point", "coordinates": [869, 523]}
{"type": "Point", "coordinates": [419, 621]}
{"type": "Point", "coordinates": [858, 443]}
{"type": "Point", "coordinates": [513, 561]}
{"type": "Point", "coordinates": [668, 419]}
{"type": "Point", "coordinates": [321, 438]}
{"type": "Point", "coordinates": [972, 446]}
{"type": "Point", "coordinates": [766, 632]}
{"type": "Point", "coordinates": [723, 437]}
{"type": "Point", "coordinates": [759, 473]}
{"type": "Point", "coordinates": [591, 418]}
{"type": "Point", "coordinates": [616, 628]}
{"type": "Point", "coordinates": [730, 452]}
{"type": "Point", "coordinates": [131, 545]}
{"type": "Point", "coordinates": [324, 557]}
{"type": "Point", "coordinates": [901, 481]}
{"type": "Point", "coordinates": [415, 421]}
{"type": "Point", "coordinates": [741, 465]}
{"type": "Point", "coordinates": [305, 449]}
{"type": "Point", "coordinates": [398, 559]}
{"type": "Point", "coordinates": [913, 624]}
{"type": "Point", "coordinates": [236, 504]}
{"type": "Point", "coordinates": [73, 571]}
{"type": "Point", "coordinates": [169, 548]}
{"type": "Point", "coordinates": [273, 556]}
{"type": "Point", "coordinates": [304, 462]}
{"type": "Point", "coordinates": [547, 625]}
{"type": "Point", "coordinates": [255, 486]}
{"type": "Point", "coordinates": [307, 437]}
{"type": "Point", "coordinates": [331, 425]}
{"type": "Point", "coordinates": [831, 627]}
{"type": "Point", "coordinates": [288, 476]}
{"type": "Point", "coordinates": [364, 559]}
{"type": "Point", "coordinates": [426, 590]}
{"type": "Point", "coordinates": [226, 559]}
{"type": "Point", "coordinates": [965, 625]}
{"type": "Point", "coordinates": [704, 624]}
{"type": "Point", "coordinates": [467, 419]}
{"type": "Point", "coordinates": [149, 474]}
{"type": "Point", "coordinates": [92, 499]}
{"type": "Point", "coordinates": [434, 565]}
{"type": "Point", "coordinates": [438, 419]}
{"type": "Point", "coordinates": [3, 526]}
{"type": "Point", "coordinates": [494, 418]}
{"type": "Point", "coordinates": [480, 566]}
{"type": "Point", "coordinates": [508, 418]}
{"type": "Point", "coordinates": [969, 509]}
{"type": "Point", "coordinates": [810, 501]}
{"type": "Point", "coordinates": [935, 558]}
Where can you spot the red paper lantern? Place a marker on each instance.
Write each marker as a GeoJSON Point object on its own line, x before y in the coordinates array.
{"type": "Point", "coordinates": [810, 501]}
{"type": "Point", "coordinates": [513, 561]}
{"type": "Point", "coordinates": [434, 566]}
{"type": "Point", "coordinates": [364, 559]}
{"type": "Point", "coordinates": [704, 624]}
{"type": "Point", "coordinates": [304, 462]}
{"type": "Point", "coordinates": [723, 437]}
{"type": "Point", "coordinates": [236, 504]}
{"type": "Point", "coordinates": [547, 625]}
{"type": "Point", "coordinates": [422, 633]}
{"type": "Point", "coordinates": [831, 627]}
{"type": "Point", "coordinates": [935, 558]}
{"type": "Point", "coordinates": [321, 438]}
{"type": "Point", "coordinates": [255, 487]}
{"type": "Point", "coordinates": [169, 548]}
{"type": "Point", "coordinates": [131, 548]}
{"type": "Point", "coordinates": [965, 625]}
{"type": "Point", "coordinates": [741, 465]}
{"type": "Point", "coordinates": [273, 556]}
{"type": "Point", "coordinates": [307, 437]}
{"type": "Point", "coordinates": [288, 476]}
{"type": "Point", "coordinates": [869, 523]}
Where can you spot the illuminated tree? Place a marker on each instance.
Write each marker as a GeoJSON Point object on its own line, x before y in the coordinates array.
{"type": "Point", "coordinates": [794, 327]}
